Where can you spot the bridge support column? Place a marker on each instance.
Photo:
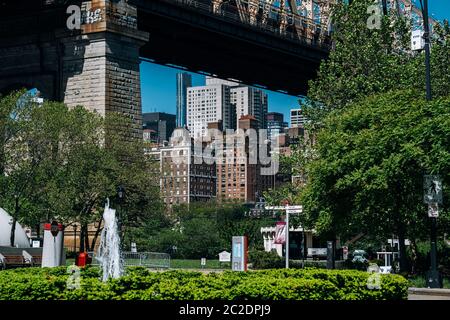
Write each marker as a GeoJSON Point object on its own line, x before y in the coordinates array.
{"type": "Point", "coordinates": [101, 66]}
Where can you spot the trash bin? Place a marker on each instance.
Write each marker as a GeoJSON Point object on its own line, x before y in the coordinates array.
{"type": "Point", "coordinates": [82, 259]}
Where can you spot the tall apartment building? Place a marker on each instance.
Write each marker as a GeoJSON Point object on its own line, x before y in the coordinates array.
{"type": "Point", "coordinates": [210, 103]}
{"type": "Point", "coordinates": [297, 118]}
{"type": "Point", "coordinates": [184, 81]}
{"type": "Point", "coordinates": [158, 126]}
{"type": "Point", "coordinates": [275, 124]}
{"type": "Point", "coordinates": [247, 100]}
{"type": "Point", "coordinates": [250, 101]}
{"type": "Point", "coordinates": [184, 179]}
{"type": "Point", "coordinates": [239, 179]}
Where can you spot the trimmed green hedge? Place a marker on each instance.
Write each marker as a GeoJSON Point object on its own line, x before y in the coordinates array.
{"type": "Point", "coordinates": [142, 284]}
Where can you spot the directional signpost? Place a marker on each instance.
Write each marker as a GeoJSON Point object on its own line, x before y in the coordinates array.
{"type": "Point", "coordinates": [294, 209]}
{"type": "Point", "coordinates": [289, 210]}
{"type": "Point", "coordinates": [432, 195]}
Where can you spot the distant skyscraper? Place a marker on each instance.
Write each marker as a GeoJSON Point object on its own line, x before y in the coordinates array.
{"type": "Point", "coordinates": [297, 118]}
{"type": "Point", "coordinates": [275, 124]}
{"type": "Point", "coordinates": [184, 80]}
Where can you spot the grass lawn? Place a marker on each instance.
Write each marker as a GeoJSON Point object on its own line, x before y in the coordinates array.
{"type": "Point", "coordinates": [196, 264]}
{"type": "Point", "coordinates": [419, 282]}
{"type": "Point", "coordinates": [183, 264]}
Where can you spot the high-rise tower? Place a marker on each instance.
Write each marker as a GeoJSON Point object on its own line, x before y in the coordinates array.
{"type": "Point", "coordinates": [184, 80]}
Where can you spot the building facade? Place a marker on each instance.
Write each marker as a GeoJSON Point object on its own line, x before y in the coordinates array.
{"type": "Point", "coordinates": [158, 126]}
{"type": "Point", "coordinates": [246, 100]}
{"type": "Point", "coordinates": [250, 101]}
{"type": "Point", "coordinates": [275, 124]}
{"type": "Point", "coordinates": [184, 81]}
{"type": "Point", "coordinates": [297, 118]}
{"type": "Point", "coordinates": [239, 179]}
{"type": "Point", "coordinates": [185, 177]}
{"type": "Point", "coordinates": [210, 103]}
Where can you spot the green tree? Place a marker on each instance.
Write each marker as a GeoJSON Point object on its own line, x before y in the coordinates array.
{"type": "Point", "coordinates": [61, 163]}
{"type": "Point", "coordinates": [367, 61]}
{"type": "Point", "coordinates": [18, 160]}
{"type": "Point", "coordinates": [372, 156]}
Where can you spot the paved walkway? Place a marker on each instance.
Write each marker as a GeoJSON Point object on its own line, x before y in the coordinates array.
{"type": "Point", "coordinates": [428, 294]}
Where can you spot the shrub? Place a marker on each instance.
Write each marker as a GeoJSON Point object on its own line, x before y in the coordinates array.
{"type": "Point", "coordinates": [143, 284]}
{"type": "Point", "coordinates": [265, 260]}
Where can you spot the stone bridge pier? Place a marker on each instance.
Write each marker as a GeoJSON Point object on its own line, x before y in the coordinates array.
{"type": "Point", "coordinates": [95, 65]}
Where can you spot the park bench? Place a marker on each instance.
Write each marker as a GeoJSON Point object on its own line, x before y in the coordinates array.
{"type": "Point", "coordinates": [17, 257]}
{"type": "Point", "coordinates": [32, 259]}
{"type": "Point", "coordinates": [9, 261]}
{"type": "Point", "coordinates": [37, 260]}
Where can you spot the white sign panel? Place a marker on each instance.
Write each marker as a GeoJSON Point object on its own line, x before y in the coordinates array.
{"type": "Point", "coordinates": [224, 256]}
{"type": "Point", "coordinates": [317, 251]}
{"type": "Point", "coordinates": [203, 261]}
{"type": "Point", "coordinates": [433, 210]}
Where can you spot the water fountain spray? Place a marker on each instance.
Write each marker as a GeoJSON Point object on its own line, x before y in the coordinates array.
{"type": "Point", "coordinates": [108, 254]}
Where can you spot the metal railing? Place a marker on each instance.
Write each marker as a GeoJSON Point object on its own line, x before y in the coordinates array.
{"type": "Point", "coordinates": [298, 28]}
{"type": "Point", "coordinates": [153, 260]}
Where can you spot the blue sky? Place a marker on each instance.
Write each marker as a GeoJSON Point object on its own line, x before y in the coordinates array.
{"type": "Point", "coordinates": [159, 84]}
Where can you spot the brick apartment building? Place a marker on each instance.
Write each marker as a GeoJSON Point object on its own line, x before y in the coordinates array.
{"type": "Point", "coordinates": [184, 179]}
{"type": "Point", "coordinates": [240, 180]}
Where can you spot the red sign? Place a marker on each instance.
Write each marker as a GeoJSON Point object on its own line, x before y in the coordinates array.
{"type": "Point", "coordinates": [280, 233]}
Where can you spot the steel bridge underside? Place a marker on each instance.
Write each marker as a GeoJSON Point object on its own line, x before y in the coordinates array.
{"type": "Point", "coordinates": [191, 39]}
{"type": "Point", "coordinates": [203, 43]}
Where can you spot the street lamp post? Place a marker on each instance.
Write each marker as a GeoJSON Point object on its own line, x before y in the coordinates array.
{"type": "Point", "coordinates": [433, 197]}
{"type": "Point", "coordinates": [426, 26]}
{"type": "Point", "coordinates": [433, 276]}
{"type": "Point", "coordinates": [287, 238]}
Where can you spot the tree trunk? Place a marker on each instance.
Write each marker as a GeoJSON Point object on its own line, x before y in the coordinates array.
{"type": "Point", "coordinates": [13, 232]}
{"type": "Point", "coordinates": [82, 238]}
{"type": "Point", "coordinates": [413, 247]}
{"type": "Point", "coordinates": [38, 230]}
{"type": "Point", "coordinates": [97, 233]}
{"type": "Point", "coordinates": [12, 238]}
{"type": "Point", "coordinates": [86, 239]}
{"type": "Point", "coordinates": [402, 251]}
{"type": "Point", "coordinates": [400, 228]}
{"type": "Point", "coordinates": [2, 156]}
